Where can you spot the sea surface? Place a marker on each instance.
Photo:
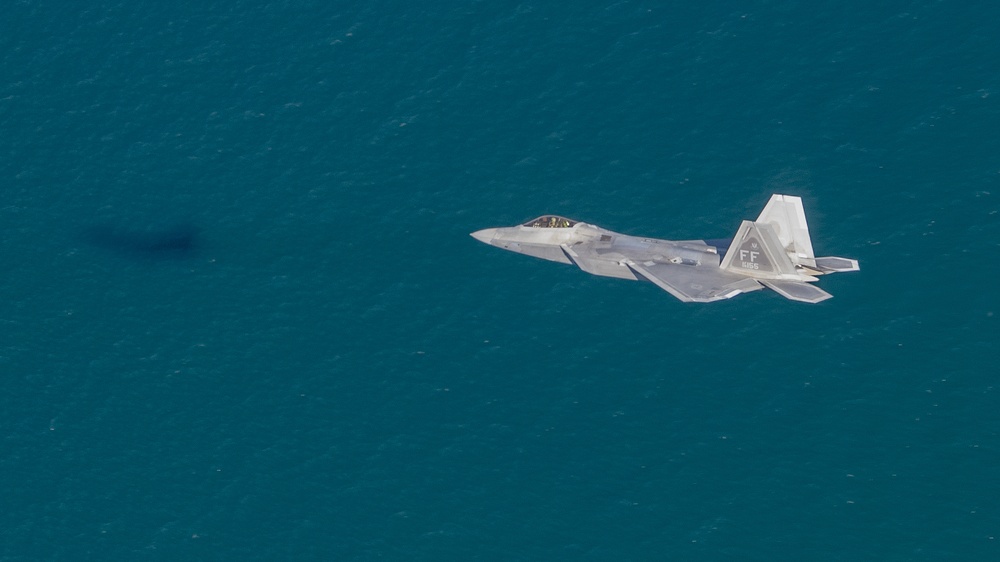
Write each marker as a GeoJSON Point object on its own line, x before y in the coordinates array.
{"type": "Point", "coordinates": [242, 318]}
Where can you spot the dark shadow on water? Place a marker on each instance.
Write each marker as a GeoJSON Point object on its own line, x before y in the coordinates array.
{"type": "Point", "coordinates": [174, 242]}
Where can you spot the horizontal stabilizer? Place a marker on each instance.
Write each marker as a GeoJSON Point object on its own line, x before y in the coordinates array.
{"type": "Point", "coordinates": [833, 264]}
{"type": "Point", "coordinates": [797, 291]}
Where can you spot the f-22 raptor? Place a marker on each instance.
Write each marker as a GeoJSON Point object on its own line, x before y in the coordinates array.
{"type": "Point", "coordinates": [774, 251]}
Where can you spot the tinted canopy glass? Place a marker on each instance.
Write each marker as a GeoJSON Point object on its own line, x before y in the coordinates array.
{"type": "Point", "coordinates": [550, 221]}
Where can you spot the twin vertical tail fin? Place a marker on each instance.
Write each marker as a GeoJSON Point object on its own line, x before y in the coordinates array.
{"type": "Point", "coordinates": [777, 251]}
{"type": "Point", "coordinates": [757, 251]}
{"type": "Point", "coordinates": [786, 215]}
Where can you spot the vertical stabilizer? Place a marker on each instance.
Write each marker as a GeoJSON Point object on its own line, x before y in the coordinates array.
{"type": "Point", "coordinates": [786, 215]}
{"type": "Point", "coordinates": [757, 251]}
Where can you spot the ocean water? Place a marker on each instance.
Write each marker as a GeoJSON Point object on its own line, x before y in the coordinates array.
{"type": "Point", "coordinates": [243, 319]}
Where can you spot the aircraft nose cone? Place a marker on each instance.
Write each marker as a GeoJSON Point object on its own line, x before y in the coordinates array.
{"type": "Point", "coordinates": [485, 236]}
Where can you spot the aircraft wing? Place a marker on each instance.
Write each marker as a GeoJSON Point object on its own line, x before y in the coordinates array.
{"type": "Point", "coordinates": [693, 283]}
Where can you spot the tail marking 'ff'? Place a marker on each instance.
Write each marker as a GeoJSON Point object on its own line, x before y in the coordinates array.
{"type": "Point", "coordinates": [777, 251]}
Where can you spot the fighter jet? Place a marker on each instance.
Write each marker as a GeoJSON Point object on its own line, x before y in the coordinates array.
{"type": "Point", "coordinates": [774, 251]}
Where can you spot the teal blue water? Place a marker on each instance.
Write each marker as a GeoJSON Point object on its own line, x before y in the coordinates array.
{"type": "Point", "coordinates": [282, 344]}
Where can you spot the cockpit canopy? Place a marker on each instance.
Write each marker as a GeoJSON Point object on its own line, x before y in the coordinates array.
{"type": "Point", "coordinates": [550, 221]}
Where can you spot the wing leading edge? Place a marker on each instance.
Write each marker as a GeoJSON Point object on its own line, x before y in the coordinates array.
{"type": "Point", "coordinates": [694, 283]}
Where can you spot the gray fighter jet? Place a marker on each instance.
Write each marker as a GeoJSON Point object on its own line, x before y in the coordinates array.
{"type": "Point", "coordinates": [773, 251]}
